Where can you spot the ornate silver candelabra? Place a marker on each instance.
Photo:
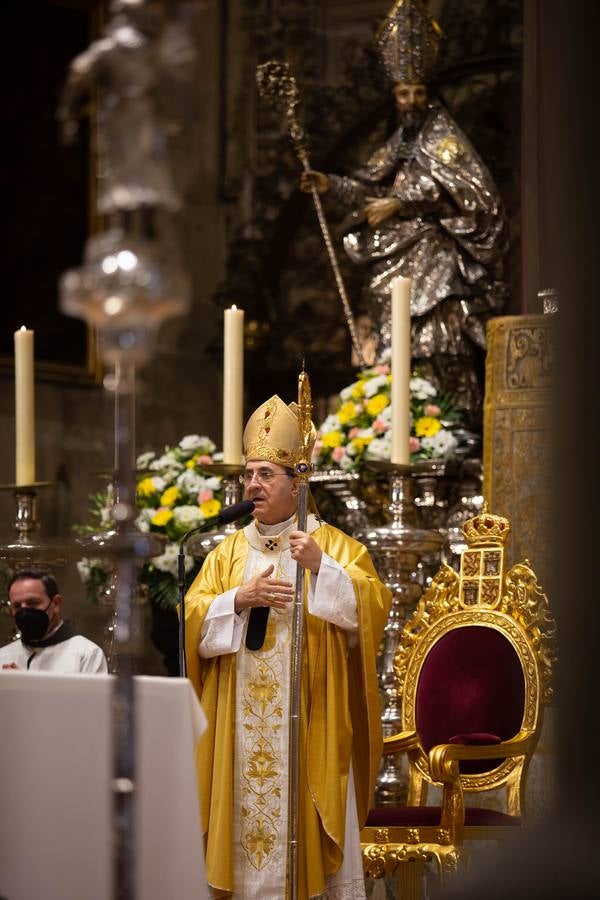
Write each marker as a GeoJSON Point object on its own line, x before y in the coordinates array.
{"type": "Point", "coordinates": [398, 547]}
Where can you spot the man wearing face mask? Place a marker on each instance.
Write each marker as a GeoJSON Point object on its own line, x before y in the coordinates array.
{"type": "Point", "coordinates": [47, 642]}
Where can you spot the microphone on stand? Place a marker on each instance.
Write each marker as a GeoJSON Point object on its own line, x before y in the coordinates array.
{"type": "Point", "coordinates": [228, 514]}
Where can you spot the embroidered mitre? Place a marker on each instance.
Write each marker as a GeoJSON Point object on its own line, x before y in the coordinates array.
{"type": "Point", "coordinates": [408, 43]}
{"type": "Point", "coordinates": [271, 433]}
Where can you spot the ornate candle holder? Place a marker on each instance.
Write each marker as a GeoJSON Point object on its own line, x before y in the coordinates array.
{"type": "Point", "coordinates": [25, 549]}
{"type": "Point", "coordinates": [200, 545]}
{"type": "Point", "coordinates": [397, 548]}
{"type": "Point", "coordinates": [337, 497]}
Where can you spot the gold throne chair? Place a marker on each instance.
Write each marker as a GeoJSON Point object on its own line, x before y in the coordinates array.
{"type": "Point", "coordinates": [474, 668]}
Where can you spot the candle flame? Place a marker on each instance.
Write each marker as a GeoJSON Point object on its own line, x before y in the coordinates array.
{"type": "Point", "coordinates": [23, 328]}
{"type": "Point", "coordinates": [233, 306]}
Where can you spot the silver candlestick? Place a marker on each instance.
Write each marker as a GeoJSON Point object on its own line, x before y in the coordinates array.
{"type": "Point", "coordinates": [397, 547]}
{"type": "Point", "coordinates": [27, 549]}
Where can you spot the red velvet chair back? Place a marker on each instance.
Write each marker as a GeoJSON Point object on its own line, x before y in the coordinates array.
{"type": "Point", "coordinates": [471, 682]}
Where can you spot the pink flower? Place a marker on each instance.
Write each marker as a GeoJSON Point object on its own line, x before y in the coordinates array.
{"type": "Point", "coordinates": [379, 426]}
{"type": "Point", "coordinates": [382, 370]}
{"type": "Point", "coordinates": [204, 460]}
{"type": "Point", "coordinates": [353, 432]}
{"type": "Point", "coordinates": [203, 496]}
{"type": "Point", "coordinates": [413, 444]}
{"type": "Point", "coordinates": [432, 410]}
{"type": "Point", "coordinates": [338, 454]}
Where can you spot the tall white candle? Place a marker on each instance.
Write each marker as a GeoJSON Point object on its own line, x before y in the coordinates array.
{"type": "Point", "coordinates": [233, 385]}
{"type": "Point", "coordinates": [24, 407]}
{"type": "Point", "coordinates": [400, 370]}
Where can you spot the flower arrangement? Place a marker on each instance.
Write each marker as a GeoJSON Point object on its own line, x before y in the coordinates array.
{"type": "Point", "coordinates": [360, 428]}
{"type": "Point", "coordinates": [175, 492]}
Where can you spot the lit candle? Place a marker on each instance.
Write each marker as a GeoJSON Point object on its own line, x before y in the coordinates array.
{"type": "Point", "coordinates": [24, 407]}
{"type": "Point", "coordinates": [401, 370]}
{"type": "Point", "coordinates": [233, 385]}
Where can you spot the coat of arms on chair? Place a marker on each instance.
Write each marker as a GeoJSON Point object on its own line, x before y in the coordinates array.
{"type": "Point", "coordinates": [474, 668]}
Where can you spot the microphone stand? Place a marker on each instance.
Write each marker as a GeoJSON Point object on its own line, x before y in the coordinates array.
{"type": "Point", "coordinates": [229, 514]}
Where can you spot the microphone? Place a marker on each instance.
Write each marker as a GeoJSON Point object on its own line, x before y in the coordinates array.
{"type": "Point", "coordinates": [227, 515]}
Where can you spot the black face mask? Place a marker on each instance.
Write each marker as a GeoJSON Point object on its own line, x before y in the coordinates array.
{"type": "Point", "coordinates": [32, 623]}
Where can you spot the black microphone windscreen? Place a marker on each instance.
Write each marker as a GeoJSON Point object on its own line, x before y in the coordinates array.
{"type": "Point", "coordinates": [236, 511]}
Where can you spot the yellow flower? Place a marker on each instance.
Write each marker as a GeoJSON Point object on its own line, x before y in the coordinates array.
{"type": "Point", "coordinates": [210, 508]}
{"type": "Point", "coordinates": [146, 487]}
{"type": "Point", "coordinates": [190, 464]}
{"type": "Point", "coordinates": [346, 412]}
{"type": "Point", "coordinates": [427, 426]}
{"type": "Point", "coordinates": [161, 517]}
{"type": "Point", "coordinates": [376, 404]}
{"type": "Point", "coordinates": [169, 496]}
{"type": "Point", "coordinates": [331, 440]}
{"type": "Point", "coordinates": [360, 442]}
{"type": "Point", "coordinates": [358, 390]}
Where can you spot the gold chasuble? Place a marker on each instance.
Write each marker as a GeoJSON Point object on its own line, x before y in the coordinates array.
{"type": "Point", "coordinates": [242, 757]}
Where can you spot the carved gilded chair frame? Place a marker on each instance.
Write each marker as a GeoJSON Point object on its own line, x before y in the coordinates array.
{"type": "Point", "coordinates": [519, 611]}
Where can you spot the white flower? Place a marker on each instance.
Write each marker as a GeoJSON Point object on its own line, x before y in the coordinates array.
{"type": "Point", "coordinates": [441, 444]}
{"type": "Point", "coordinates": [167, 463]}
{"type": "Point", "coordinates": [386, 356]}
{"type": "Point", "coordinates": [346, 393]}
{"type": "Point", "coordinates": [218, 456]}
{"type": "Point", "coordinates": [159, 483]}
{"type": "Point", "coordinates": [143, 520]}
{"type": "Point", "coordinates": [379, 448]}
{"type": "Point", "coordinates": [190, 482]}
{"type": "Point", "coordinates": [373, 385]}
{"type": "Point", "coordinates": [351, 449]}
{"type": "Point", "coordinates": [106, 519]}
{"type": "Point", "coordinates": [365, 432]}
{"type": "Point", "coordinates": [171, 475]}
{"type": "Point", "coordinates": [167, 561]}
{"type": "Point", "coordinates": [346, 462]}
{"type": "Point", "coordinates": [144, 459]}
{"type": "Point", "coordinates": [187, 516]}
{"type": "Point", "coordinates": [386, 414]}
{"type": "Point", "coordinates": [85, 566]}
{"type": "Point", "coordinates": [193, 443]}
{"type": "Point", "coordinates": [331, 423]}
{"type": "Point", "coordinates": [421, 388]}
{"type": "Point", "coordinates": [213, 483]}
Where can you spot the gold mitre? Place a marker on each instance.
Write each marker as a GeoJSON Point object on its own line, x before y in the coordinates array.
{"type": "Point", "coordinates": [486, 529]}
{"type": "Point", "coordinates": [271, 433]}
{"type": "Point", "coordinates": [408, 43]}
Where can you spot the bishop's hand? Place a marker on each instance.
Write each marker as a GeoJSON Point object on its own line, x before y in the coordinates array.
{"type": "Point", "coordinates": [305, 550]}
{"type": "Point", "coordinates": [262, 590]}
{"type": "Point", "coordinates": [379, 209]}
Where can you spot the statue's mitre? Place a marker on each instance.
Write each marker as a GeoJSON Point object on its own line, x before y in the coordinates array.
{"type": "Point", "coordinates": [408, 42]}
{"type": "Point", "coordinates": [272, 434]}
{"type": "Point", "coordinates": [486, 529]}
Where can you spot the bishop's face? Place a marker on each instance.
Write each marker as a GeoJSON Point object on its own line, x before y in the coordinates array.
{"type": "Point", "coordinates": [274, 490]}
{"type": "Point", "coordinates": [411, 102]}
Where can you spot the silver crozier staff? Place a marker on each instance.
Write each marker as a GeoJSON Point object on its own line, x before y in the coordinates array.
{"type": "Point", "coordinates": [302, 469]}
